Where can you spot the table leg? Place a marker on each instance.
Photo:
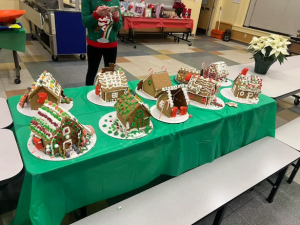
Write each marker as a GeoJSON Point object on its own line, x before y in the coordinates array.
{"type": "Point", "coordinates": [219, 215]}
{"type": "Point", "coordinates": [276, 185]}
{"type": "Point", "coordinates": [17, 66]}
{"type": "Point", "coordinates": [295, 170]}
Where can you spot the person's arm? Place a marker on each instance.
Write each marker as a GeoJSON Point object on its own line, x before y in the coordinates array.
{"type": "Point", "coordinates": [89, 15]}
{"type": "Point", "coordinates": [118, 21]}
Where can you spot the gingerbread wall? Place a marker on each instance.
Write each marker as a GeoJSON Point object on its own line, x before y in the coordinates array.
{"type": "Point", "coordinates": [149, 89]}
{"type": "Point", "coordinates": [166, 110]}
{"type": "Point", "coordinates": [110, 93]}
{"type": "Point", "coordinates": [34, 100]}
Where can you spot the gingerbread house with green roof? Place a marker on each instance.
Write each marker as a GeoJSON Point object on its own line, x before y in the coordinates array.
{"type": "Point", "coordinates": [132, 113]}
{"type": "Point", "coordinates": [57, 132]}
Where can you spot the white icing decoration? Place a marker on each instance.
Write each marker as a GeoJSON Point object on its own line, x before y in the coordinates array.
{"type": "Point", "coordinates": [161, 103]}
{"type": "Point", "coordinates": [66, 131]}
{"type": "Point", "coordinates": [109, 80]}
{"type": "Point", "coordinates": [68, 136]}
{"type": "Point", "coordinates": [114, 95]}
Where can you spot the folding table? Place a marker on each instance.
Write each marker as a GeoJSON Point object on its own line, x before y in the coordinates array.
{"type": "Point", "coordinates": [14, 40]}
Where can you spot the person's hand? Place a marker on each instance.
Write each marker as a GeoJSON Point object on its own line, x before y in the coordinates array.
{"type": "Point", "coordinates": [115, 15]}
{"type": "Point", "coordinates": [102, 10]}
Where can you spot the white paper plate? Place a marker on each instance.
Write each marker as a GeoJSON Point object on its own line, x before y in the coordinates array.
{"type": "Point", "coordinates": [26, 110]}
{"type": "Point", "coordinates": [41, 155]}
{"type": "Point", "coordinates": [178, 119]}
{"type": "Point", "coordinates": [226, 83]}
{"type": "Point", "coordinates": [144, 95]}
{"type": "Point", "coordinates": [211, 107]}
{"type": "Point", "coordinates": [93, 98]}
{"type": "Point", "coordinates": [109, 119]}
{"type": "Point", "coordinates": [227, 93]}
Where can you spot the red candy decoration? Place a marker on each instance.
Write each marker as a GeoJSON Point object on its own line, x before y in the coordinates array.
{"type": "Point", "coordinates": [174, 112]}
{"type": "Point", "coordinates": [183, 110]}
{"type": "Point", "coordinates": [245, 71]}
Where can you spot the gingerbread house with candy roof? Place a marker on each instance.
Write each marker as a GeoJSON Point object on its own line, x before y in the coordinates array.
{"type": "Point", "coordinates": [45, 88]}
{"type": "Point", "coordinates": [217, 71]}
{"type": "Point", "coordinates": [247, 87]}
{"type": "Point", "coordinates": [57, 132]}
{"type": "Point", "coordinates": [184, 74]}
{"type": "Point", "coordinates": [203, 90]}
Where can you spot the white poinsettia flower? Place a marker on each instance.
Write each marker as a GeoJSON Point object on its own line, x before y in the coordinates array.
{"type": "Point", "coordinates": [254, 40]}
{"type": "Point", "coordinates": [277, 43]}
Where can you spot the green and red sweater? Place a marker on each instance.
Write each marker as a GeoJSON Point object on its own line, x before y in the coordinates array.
{"type": "Point", "coordinates": [102, 31]}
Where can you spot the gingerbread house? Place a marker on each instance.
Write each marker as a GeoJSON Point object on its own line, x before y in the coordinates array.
{"type": "Point", "coordinates": [217, 71]}
{"type": "Point", "coordinates": [132, 114]}
{"type": "Point", "coordinates": [203, 90]}
{"type": "Point", "coordinates": [154, 83]}
{"type": "Point", "coordinates": [57, 132]}
{"type": "Point", "coordinates": [184, 74]}
{"type": "Point", "coordinates": [45, 88]}
{"type": "Point", "coordinates": [246, 86]}
{"type": "Point", "coordinates": [110, 84]}
{"type": "Point", "coordinates": [173, 101]}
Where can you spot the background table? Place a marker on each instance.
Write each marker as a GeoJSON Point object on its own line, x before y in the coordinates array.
{"type": "Point", "coordinates": [113, 166]}
{"type": "Point", "coordinates": [14, 40]}
{"type": "Point", "coordinates": [165, 26]}
{"type": "Point", "coordinates": [11, 164]}
{"type": "Point", "coordinates": [5, 116]}
{"type": "Point", "coordinates": [280, 82]}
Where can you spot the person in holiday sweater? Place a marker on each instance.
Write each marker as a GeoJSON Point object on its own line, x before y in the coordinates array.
{"type": "Point", "coordinates": [102, 27]}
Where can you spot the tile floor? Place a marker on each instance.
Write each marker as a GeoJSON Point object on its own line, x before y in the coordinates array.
{"type": "Point", "coordinates": [249, 208]}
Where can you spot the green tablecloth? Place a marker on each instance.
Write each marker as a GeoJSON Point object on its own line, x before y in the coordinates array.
{"type": "Point", "coordinates": [13, 40]}
{"type": "Point", "coordinates": [113, 166]}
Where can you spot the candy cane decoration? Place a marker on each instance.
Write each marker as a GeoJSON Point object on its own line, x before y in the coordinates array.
{"type": "Point", "coordinates": [165, 68]}
{"type": "Point", "coordinates": [218, 90]}
{"type": "Point", "coordinates": [167, 101]}
{"type": "Point", "coordinates": [151, 71]}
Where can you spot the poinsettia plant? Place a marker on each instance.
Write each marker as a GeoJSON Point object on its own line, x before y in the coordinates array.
{"type": "Point", "coordinates": [178, 6]}
{"type": "Point", "coordinates": [271, 48]}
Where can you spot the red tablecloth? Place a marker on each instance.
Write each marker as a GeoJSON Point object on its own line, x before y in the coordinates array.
{"type": "Point", "coordinates": [141, 22]}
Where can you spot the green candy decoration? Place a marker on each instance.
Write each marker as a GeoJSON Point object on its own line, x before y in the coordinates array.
{"type": "Point", "coordinates": [139, 113]}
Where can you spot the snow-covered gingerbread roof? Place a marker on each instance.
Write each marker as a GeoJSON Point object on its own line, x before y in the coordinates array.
{"type": "Point", "coordinates": [201, 86]}
{"type": "Point", "coordinates": [112, 79]}
{"type": "Point", "coordinates": [172, 91]}
{"type": "Point", "coordinates": [47, 81]}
